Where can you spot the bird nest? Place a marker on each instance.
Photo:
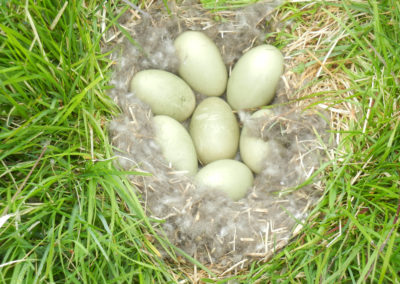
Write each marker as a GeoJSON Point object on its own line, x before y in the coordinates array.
{"type": "Point", "coordinates": [204, 223]}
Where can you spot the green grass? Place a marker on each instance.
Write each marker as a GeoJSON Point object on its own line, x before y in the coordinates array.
{"type": "Point", "coordinates": [353, 234]}
{"type": "Point", "coordinates": [69, 216]}
{"type": "Point", "coordinates": [225, 4]}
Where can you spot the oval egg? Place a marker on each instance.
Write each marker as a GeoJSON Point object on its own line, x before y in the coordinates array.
{"type": "Point", "coordinates": [176, 144]}
{"type": "Point", "coordinates": [255, 77]}
{"type": "Point", "coordinates": [201, 64]}
{"type": "Point", "coordinates": [254, 150]}
{"type": "Point", "coordinates": [229, 176]}
{"type": "Point", "coordinates": [164, 92]}
{"type": "Point", "coordinates": [214, 130]}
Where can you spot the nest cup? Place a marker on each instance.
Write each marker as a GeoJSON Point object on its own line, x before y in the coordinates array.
{"type": "Point", "coordinates": [203, 222]}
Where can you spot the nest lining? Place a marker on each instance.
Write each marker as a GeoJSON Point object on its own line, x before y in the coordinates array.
{"type": "Point", "coordinates": [204, 223]}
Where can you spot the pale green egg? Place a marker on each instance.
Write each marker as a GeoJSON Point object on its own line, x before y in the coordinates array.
{"type": "Point", "coordinates": [255, 77]}
{"type": "Point", "coordinates": [214, 130]}
{"type": "Point", "coordinates": [229, 176]}
{"type": "Point", "coordinates": [201, 64]}
{"type": "Point", "coordinates": [254, 150]}
{"type": "Point", "coordinates": [176, 144]}
{"type": "Point", "coordinates": [164, 92]}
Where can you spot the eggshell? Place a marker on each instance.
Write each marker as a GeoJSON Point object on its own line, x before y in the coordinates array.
{"type": "Point", "coordinates": [230, 176]}
{"type": "Point", "coordinates": [176, 144]}
{"type": "Point", "coordinates": [255, 77]}
{"type": "Point", "coordinates": [214, 130]}
{"type": "Point", "coordinates": [201, 64]}
{"type": "Point", "coordinates": [254, 150]}
{"type": "Point", "coordinates": [164, 92]}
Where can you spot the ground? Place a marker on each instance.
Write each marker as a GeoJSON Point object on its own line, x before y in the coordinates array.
{"type": "Point", "coordinates": [67, 214]}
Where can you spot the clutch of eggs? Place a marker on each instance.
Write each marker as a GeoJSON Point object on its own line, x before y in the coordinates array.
{"type": "Point", "coordinates": [214, 137]}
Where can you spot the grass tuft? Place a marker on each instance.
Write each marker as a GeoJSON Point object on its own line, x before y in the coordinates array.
{"type": "Point", "coordinates": [353, 234]}
{"type": "Point", "coordinates": [66, 212]}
